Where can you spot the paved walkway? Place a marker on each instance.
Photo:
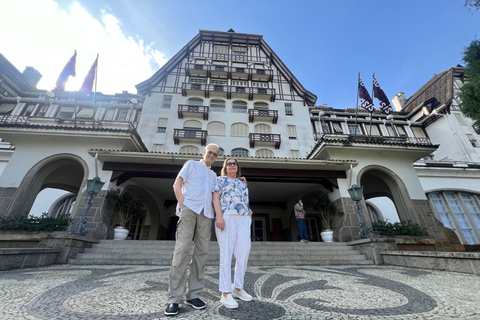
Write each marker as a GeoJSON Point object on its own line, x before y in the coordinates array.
{"type": "Point", "coordinates": [70, 292]}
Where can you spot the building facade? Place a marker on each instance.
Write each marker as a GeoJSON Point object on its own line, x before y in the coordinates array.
{"type": "Point", "coordinates": [232, 89]}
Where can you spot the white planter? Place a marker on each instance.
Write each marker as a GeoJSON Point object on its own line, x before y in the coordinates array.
{"type": "Point", "coordinates": [120, 233]}
{"type": "Point", "coordinates": [327, 235]}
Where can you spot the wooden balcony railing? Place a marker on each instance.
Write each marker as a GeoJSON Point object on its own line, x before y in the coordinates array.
{"type": "Point", "coordinates": [252, 113]}
{"type": "Point", "coordinates": [269, 138]}
{"type": "Point", "coordinates": [190, 134]}
{"type": "Point", "coordinates": [229, 91]}
{"type": "Point", "coordinates": [183, 108]}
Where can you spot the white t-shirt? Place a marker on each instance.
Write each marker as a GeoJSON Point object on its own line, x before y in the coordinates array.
{"type": "Point", "coordinates": [198, 179]}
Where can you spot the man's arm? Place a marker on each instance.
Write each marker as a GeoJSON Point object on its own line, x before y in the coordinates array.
{"type": "Point", "coordinates": [177, 189]}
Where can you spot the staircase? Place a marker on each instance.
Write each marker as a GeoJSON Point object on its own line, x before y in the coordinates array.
{"type": "Point", "coordinates": [159, 253]}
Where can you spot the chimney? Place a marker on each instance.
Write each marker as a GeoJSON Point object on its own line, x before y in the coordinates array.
{"type": "Point", "coordinates": [399, 101]}
{"type": "Point", "coordinates": [32, 76]}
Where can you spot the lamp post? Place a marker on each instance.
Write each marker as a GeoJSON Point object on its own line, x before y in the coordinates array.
{"type": "Point", "coordinates": [356, 193]}
{"type": "Point", "coordinates": [93, 188]}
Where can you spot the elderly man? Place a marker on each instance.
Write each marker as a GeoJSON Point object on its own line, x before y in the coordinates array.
{"type": "Point", "coordinates": [193, 190]}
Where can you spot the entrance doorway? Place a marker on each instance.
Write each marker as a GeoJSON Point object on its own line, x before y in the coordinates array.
{"type": "Point", "coordinates": [312, 229]}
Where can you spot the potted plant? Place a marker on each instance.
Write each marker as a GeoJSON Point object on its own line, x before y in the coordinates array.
{"type": "Point", "coordinates": [320, 203]}
{"type": "Point", "coordinates": [129, 206]}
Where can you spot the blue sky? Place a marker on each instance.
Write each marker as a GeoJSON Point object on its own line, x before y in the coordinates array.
{"type": "Point", "coordinates": [324, 43]}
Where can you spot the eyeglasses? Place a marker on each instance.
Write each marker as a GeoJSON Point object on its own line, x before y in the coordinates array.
{"type": "Point", "coordinates": [232, 163]}
{"type": "Point", "coordinates": [211, 152]}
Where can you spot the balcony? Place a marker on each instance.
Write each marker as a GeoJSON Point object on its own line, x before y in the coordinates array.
{"type": "Point", "coordinates": [229, 92]}
{"type": "Point", "coordinates": [265, 139]}
{"type": "Point", "coordinates": [262, 115]}
{"type": "Point", "coordinates": [219, 71]}
{"type": "Point", "coordinates": [190, 136]}
{"type": "Point", "coordinates": [197, 70]}
{"type": "Point", "coordinates": [261, 74]}
{"type": "Point", "coordinates": [193, 111]}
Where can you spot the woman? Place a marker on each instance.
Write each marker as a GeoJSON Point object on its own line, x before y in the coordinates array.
{"type": "Point", "coordinates": [300, 216]}
{"type": "Point", "coordinates": [232, 227]}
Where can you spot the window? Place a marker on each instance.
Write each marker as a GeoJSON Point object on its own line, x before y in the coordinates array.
{"type": "Point", "coordinates": [122, 115]}
{"type": "Point", "coordinates": [6, 108]}
{"type": "Point", "coordinates": [238, 83]}
{"type": "Point", "coordinates": [401, 131]}
{"type": "Point", "coordinates": [109, 115]}
{"type": "Point", "coordinates": [374, 130]}
{"type": "Point", "coordinates": [27, 110]}
{"type": "Point", "coordinates": [337, 127]}
{"type": "Point", "coordinates": [288, 109]}
{"type": "Point", "coordinates": [239, 152]}
{"type": "Point", "coordinates": [219, 82]}
{"type": "Point", "coordinates": [220, 49]}
{"type": "Point", "coordinates": [216, 128]}
{"type": "Point", "coordinates": [260, 84]}
{"type": "Point", "coordinates": [192, 125]}
{"type": "Point", "coordinates": [325, 128]}
{"type": "Point", "coordinates": [239, 106]}
{"type": "Point", "coordinates": [470, 203]}
{"type": "Point", "coordinates": [260, 106]}
{"type": "Point", "coordinates": [217, 105]}
{"type": "Point", "coordinates": [66, 112]}
{"type": "Point", "coordinates": [418, 132]}
{"type": "Point", "coordinates": [239, 130]}
{"type": "Point", "coordinates": [460, 119]}
{"type": "Point", "coordinates": [352, 128]}
{"type": "Point", "coordinates": [162, 125]}
{"type": "Point", "coordinates": [190, 150]}
{"type": "Point", "coordinates": [453, 202]}
{"type": "Point", "coordinates": [198, 80]}
{"type": "Point", "coordinates": [85, 113]}
{"type": "Point", "coordinates": [239, 51]}
{"type": "Point", "coordinates": [473, 141]}
{"type": "Point", "coordinates": [262, 128]}
{"type": "Point", "coordinates": [264, 153]}
{"type": "Point", "coordinates": [195, 102]}
{"type": "Point", "coordinates": [465, 227]}
{"type": "Point", "coordinates": [294, 154]}
{"type": "Point", "coordinates": [221, 152]}
{"type": "Point", "coordinates": [157, 147]}
{"type": "Point", "coordinates": [292, 132]}
{"type": "Point", "coordinates": [167, 102]}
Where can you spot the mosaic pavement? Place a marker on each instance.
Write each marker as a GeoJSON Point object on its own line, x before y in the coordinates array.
{"type": "Point", "coordinates": [70, 292]}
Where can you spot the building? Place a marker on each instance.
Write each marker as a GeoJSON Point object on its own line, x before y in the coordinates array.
{"type": "Point", "coordinates": [232, 89]}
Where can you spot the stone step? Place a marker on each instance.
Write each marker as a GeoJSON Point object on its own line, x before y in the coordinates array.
{"type": "Point", "coordinates": [159, 253]}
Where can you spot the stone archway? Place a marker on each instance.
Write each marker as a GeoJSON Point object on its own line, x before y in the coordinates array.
{"type": "Point", "coordinates": [61, 171]}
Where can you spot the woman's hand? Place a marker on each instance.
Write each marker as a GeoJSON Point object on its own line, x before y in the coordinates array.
{"type": "Point", "coordinates": [251, 213]}
{"type": "Point", "coordinates": [220, 223]}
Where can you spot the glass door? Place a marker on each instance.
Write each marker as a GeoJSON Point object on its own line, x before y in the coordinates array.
{"type": "Point", "coordinates": [312, 229]}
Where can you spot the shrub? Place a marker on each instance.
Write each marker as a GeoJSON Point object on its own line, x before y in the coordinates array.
{"type": "Point", "coordinates": [403, 228]}
{"type": "Point", "coordinates": [31, 223]}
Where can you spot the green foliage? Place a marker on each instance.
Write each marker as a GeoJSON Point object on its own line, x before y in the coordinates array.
{"type": "Point", "coordinates": [470, 91]}
{"type": "Point", "coordinates": [403, 228]}
{"type": "Point", "coordinates": [31, 223]}
{"type": "Point", "coordinates": [320, 202]}
{"type": "Point", "coordinates": [128, 205]}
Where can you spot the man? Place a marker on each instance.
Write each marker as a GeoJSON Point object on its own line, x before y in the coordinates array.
{"type": "Point", "coordinates": [193, 190]}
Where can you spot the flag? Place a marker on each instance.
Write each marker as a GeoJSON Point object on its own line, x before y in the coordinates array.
{"type": "Point", "coordinates": [87, 85]}
{"type": "Point", "coordinates": [68, 70]}
{"type": "Point", "coordinates": [365, 99]}
{"type": "Point", "coordinates": [382, 97]}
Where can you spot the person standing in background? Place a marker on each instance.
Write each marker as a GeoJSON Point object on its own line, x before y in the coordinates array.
{"type": "Point", "coordinates": [300, 216]}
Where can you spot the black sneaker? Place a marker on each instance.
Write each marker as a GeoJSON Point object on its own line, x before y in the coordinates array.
{"type": "Point", "coordinates": [172, 309]}
{"type": "Point", "coordinates": [196, 303]}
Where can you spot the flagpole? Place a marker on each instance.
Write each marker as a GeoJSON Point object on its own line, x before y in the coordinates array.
{"type": "Point", "coordinates": [95, 95]}
{"type": "Point", "coordinates": [75, 110]}
{"type": "Point", "coordinates": [356, 107]}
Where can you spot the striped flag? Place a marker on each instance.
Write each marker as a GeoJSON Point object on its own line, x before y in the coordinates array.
{"type": "Point", "coordinates": [382, 97]}
{"type": "Point", "coordinates": [365, 99]}
{"type": "Point", "coordinates": [87, 85]}
{"type": "Point", "coordinates": [68, 70]}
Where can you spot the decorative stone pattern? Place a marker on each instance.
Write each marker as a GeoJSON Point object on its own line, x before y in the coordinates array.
{"type": "Point", "coordinates": [342, 292]}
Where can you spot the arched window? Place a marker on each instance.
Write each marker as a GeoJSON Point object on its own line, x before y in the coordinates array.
{"type": "Point", "coordinates": [189, 149]}
{"type": "Point", "coordinates": [195, 102]}
{"type": "Point", "coordinates": [262, 128]}
{"type": "Point", "coordinates": [264, 153]}
{"type": "Point", "coordinates": [239, 152]}
{"type": "Point", "coordinates": [192, 125]}
{"type": "Point", "coordinates": [216, 128]}
{"type": "Point", "coordinates": [260, 105]}
{"type": "Point", "coordinates": [217, 105]}
{"type": "Point", "coordinates": [239, 130]}
{"type": "Point", "coordinates": [221, 151]}
{"type": "Point", "coordinates": [239, 106]}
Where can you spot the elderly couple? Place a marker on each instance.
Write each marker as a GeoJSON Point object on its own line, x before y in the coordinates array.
{"type": "Point", "coordinates": [196, 187]}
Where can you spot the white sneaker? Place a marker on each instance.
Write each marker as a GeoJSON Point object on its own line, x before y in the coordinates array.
{"type": "Point", "coordinates": [228, 301]}
{"type": "Point", "coordinates": [241, 294]}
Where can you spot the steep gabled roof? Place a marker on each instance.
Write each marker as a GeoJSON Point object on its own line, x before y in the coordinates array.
{"type": "Point", "coordinates": [227, 37]}
{"type": "Point", "coordinates": [14, 75]}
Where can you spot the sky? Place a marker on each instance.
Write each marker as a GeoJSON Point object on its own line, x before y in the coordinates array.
{"type": "Point", "coordinates": [326, 44]}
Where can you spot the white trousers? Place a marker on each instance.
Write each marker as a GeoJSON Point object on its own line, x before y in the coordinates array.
{"type": "Point", "coordinates": [233, 240]}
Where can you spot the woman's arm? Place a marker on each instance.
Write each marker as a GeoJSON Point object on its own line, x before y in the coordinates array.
{"type": "Point", "coordinates": [220, 223]}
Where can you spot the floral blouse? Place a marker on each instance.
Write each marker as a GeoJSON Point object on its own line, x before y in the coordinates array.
{"type": "Point", "coordinates": [233, 196]}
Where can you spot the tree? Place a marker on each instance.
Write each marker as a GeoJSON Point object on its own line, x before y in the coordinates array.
{"type": "Point", "coordinates": [470, 92]}
{"type": "Point", "coordinates": [472, 4]}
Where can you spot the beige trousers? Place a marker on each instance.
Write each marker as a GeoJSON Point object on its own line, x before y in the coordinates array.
{"type": "Point", "coordinates": [192, 230]}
